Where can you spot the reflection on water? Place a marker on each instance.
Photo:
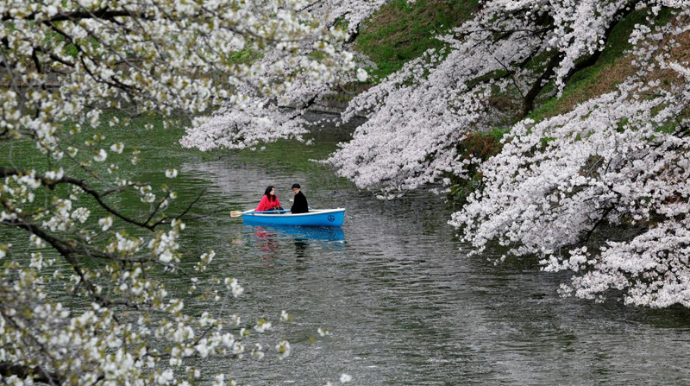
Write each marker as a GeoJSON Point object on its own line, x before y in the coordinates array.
{"type": "Point", "coordinates": [266, 243]}
{"type": "Point", "coordinates": [406, 307]}
{"type": "Point", "coordinates": [269, 240]}
{"type": "Point", "coordinates": [325, 234]}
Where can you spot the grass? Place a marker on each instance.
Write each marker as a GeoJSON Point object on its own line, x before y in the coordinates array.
{"type": "Point", "coordinates": [400, 32]}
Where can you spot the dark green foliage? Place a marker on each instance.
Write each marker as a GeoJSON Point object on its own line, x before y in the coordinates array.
{"type": "Point", "coordinates": [242, 57]}
{"type": "Point", "coordinates": [482, 145]}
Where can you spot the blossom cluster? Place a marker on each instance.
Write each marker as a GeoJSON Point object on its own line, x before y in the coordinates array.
{"type": "Point", "coordinates": [254, 116]}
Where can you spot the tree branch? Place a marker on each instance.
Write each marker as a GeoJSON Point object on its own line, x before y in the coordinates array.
{"type": "Point", "coordinates": [98, 196]}
{"type": "Point", "coordinates": [37, 373]}
{"type": "Point", "coordinates": [103, 13]}
{"type": "Point", "coordinates": [538, 85]}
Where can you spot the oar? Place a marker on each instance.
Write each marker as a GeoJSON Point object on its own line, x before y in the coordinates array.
{"type": "Point", "coordinates": [238, 213]}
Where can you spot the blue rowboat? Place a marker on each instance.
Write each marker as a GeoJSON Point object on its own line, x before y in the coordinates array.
{"type": "Point", "coordinates": [313, 218]}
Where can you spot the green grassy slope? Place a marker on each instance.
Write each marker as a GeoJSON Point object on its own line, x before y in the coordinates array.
{"type": "Point", "coordinates": [400, 32]}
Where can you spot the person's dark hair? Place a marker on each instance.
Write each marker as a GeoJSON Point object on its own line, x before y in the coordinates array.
{"type": "Point", "coordinates": [295, 186]}
{"type": "Point", "coordinates": [267, 192]}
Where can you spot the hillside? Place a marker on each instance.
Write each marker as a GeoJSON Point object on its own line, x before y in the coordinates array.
{"type": "Point", "coordinates": [400, 32]}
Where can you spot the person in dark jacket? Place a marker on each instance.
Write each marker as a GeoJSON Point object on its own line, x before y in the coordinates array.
{"type": "Point", "coordinates": [300, 201]}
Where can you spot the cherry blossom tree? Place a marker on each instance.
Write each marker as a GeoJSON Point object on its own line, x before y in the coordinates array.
{"type": "Point", "coordinates": [618, 160]}
{"type": "Point", "coordinates": [262, 118]}
{"type": "Point", "coordinates": [82, 294]}
{"type": "Point", "coordinates": [352, 13]}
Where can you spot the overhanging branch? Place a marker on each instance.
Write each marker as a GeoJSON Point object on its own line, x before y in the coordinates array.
{"type": "Point", "coordinates": [36, 373]}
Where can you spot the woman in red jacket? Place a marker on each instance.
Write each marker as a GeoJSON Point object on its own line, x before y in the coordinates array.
{"type": "Point", "coordinates": [269, 201]}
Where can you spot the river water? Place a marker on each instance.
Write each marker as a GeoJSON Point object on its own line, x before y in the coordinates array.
{"type": "Point", "coordinates": [402, 301]}
{"type": "Point", "coordinates": [406, 306]}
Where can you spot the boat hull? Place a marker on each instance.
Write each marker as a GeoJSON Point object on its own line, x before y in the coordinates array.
{"type": "Point", "coordinates": [314, 218]}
